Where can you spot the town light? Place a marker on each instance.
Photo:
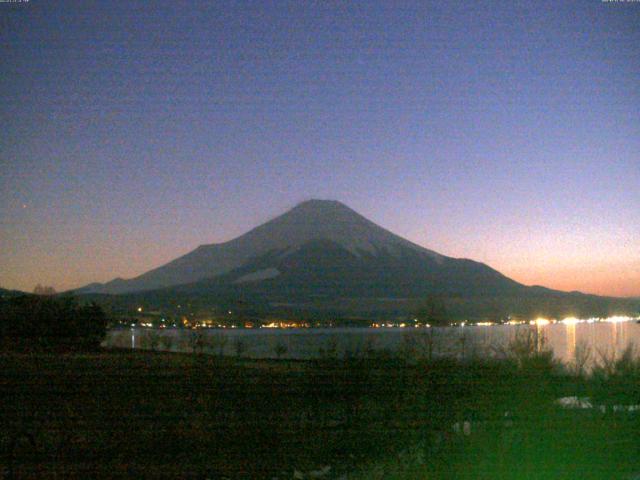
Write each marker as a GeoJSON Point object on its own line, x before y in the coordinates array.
{"type": "Point", "coordinates": [570, 321]}
{"type": "Point", "coordinates": [540, 322]}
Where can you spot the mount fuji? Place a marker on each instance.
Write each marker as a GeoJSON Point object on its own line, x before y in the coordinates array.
{"type": "Point", "coordinates": [322, 255]}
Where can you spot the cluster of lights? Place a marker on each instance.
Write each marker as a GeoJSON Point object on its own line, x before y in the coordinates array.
{"type": "Point", "coordinates": [212, 325]}
{"type": "Point", "coordinates": [397, 325]}
{"type": "Point", "coordinates": [618, 319]}
{"type": "Point", "coordinates": [574, 320]}
{"type": "Point", "coordinates": [148, 325]}
{"type": "Point", "coordinates": [286, 325]}
{"type": "Point", "coordinates": [541, 321]}
{"type": "Point", "coordinates": [570, 321]}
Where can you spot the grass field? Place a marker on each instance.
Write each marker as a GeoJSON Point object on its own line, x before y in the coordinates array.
{"type": "Point", "coordinates": [152, 415]}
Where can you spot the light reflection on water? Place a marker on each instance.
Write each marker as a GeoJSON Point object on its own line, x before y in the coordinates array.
{"type": "Point", "coordinates": [571, 339]}
{"type": "Point", "coordinates": [601, 338]}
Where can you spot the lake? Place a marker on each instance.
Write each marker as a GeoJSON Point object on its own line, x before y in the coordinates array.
{"type": "Point", "coordinates": [600, 338]}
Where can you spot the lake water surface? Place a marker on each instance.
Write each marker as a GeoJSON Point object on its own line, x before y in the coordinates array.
{"type": "Point", "coordinates": [600, 338]}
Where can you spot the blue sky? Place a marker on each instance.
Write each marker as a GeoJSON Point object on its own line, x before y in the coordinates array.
{"type": "Point", "coordinates": [506, 132]}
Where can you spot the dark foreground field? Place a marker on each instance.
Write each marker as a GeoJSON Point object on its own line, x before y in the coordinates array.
{"type": "Point", "coordinates": [149, 415]}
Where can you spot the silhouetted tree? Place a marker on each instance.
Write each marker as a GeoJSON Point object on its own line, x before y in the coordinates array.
{"type": "Point", "coordinates": [40, 290]}
{"type": "Point", "coordinates": [40, 321]}
{"type": "Point", "coordinates": [195, 340]}
{"type": "Point", "coordinates": [240, 347]}
{"type": "Point", "coordinates": [280, 349]}
{"type": "Point", "coordinates": [433, 311]}
{"type": "Point", "coordinates": [151, 339]}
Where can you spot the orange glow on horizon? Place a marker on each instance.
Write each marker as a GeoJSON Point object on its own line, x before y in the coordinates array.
{"type": "Point", "coordinates": [615, 282]}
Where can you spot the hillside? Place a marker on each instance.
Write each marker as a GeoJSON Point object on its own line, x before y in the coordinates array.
{"type": "Point", "coordinates": [329, 222]}
{"type": "Point", "coordinates": [322, 258]}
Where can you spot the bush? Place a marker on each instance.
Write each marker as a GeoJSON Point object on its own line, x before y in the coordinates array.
{"type": "Point", "coordinates": [166, 342]}
{"type": "Point", "coordinates": [32, 321]}
{"type": "Point", "coordinates": [421, 344]}
{"type": "Point", "coordinates": [150, 340]}
{"type": "Point", "coordinates": [240, 347]}
{"type": "Point", "coordinates": [193, 340]}
{"type": "Point", "coordinates": [280, 349]}
{"type": "Point", "coordinates": [216, 343]}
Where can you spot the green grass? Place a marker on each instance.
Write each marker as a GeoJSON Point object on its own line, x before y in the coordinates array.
{"type": "Point", "coordinates": [153, 415]}
{"type": "Point", "coordinates": [156, 414]}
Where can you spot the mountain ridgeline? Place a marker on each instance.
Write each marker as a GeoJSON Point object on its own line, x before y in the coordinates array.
{"type": "Point", "coordinates": [322, 257]}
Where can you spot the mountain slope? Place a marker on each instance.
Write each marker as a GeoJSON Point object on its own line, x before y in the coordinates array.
{"type": "Point", "coordinates": [321, 257]}
{"type": "Point", "coordinates": [323, 268]}
{"type": "Point", "coordinates": [4, 293]}
{"type": "Point", "coordinates": [323, 280]}
{"type": "Point", "coordinates": [311, 220]}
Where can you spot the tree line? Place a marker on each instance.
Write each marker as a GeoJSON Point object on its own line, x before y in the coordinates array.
{"type": "Point", "coordinates": [40, 321]}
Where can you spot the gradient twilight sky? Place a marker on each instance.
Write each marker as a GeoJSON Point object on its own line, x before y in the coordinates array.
{"type": "Point", "coordinates": [506, 132]}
